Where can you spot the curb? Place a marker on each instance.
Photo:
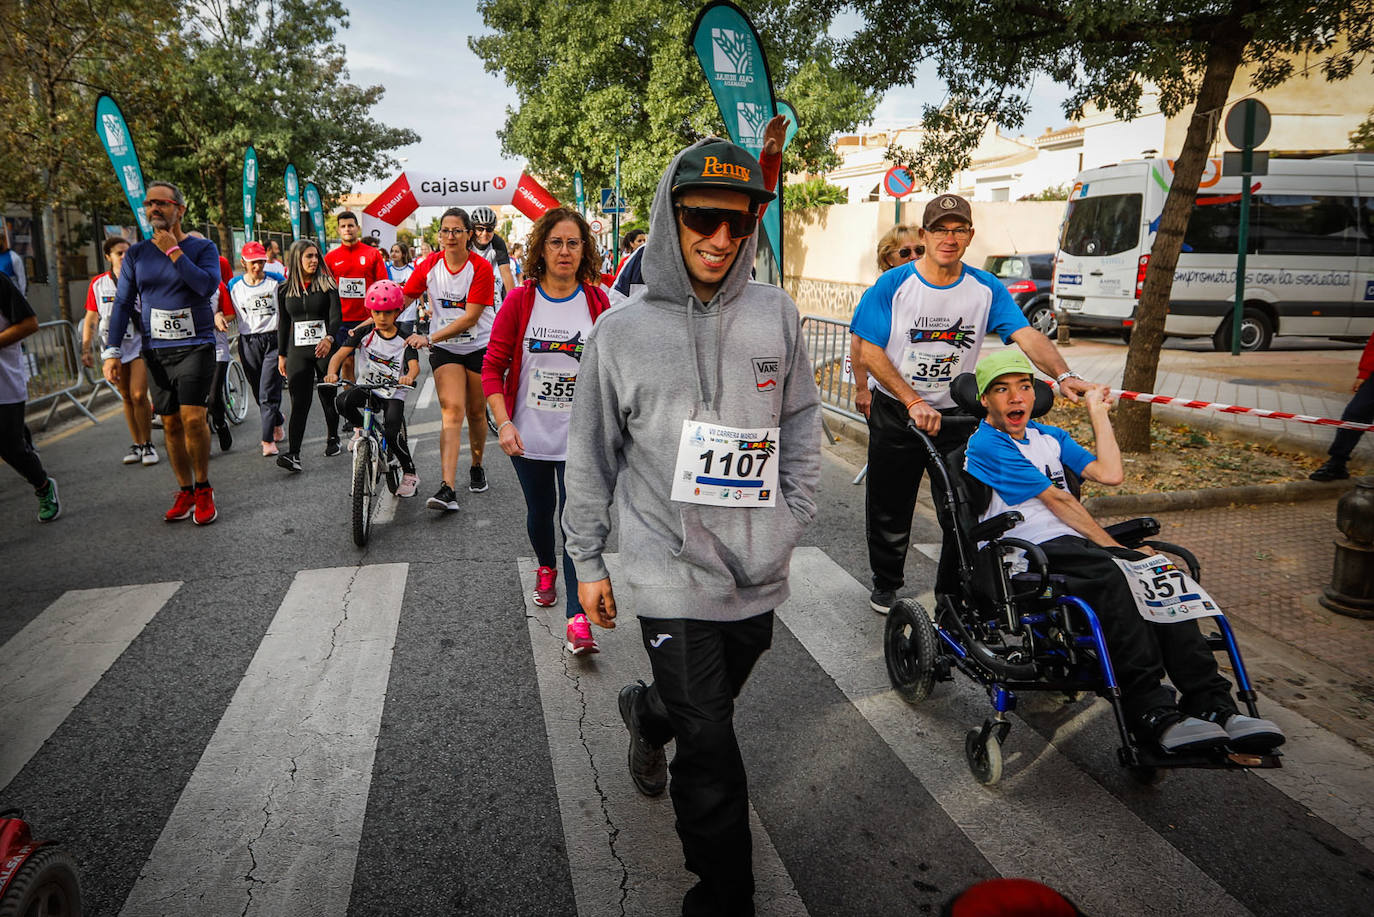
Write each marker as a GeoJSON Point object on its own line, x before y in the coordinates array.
{"type": "Point", "coordinates": [1124, 504]}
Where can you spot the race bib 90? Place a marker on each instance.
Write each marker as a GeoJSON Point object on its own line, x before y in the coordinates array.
{"type": "Point", "coordinates": [1163, 593]}
{"type": "Point", "coordinates": [172, 324]}
{"type": "Point", "coordinates": [352, 287]}
{"type": "Point", "coordinates": [726, 466]}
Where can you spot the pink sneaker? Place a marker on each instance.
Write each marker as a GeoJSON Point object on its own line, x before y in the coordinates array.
{"type": "Point", "coordinates": [580, 639]}
{"type": "Point", "coordinates": [546, 587]}
{"type": "Point", "coordinates": [408, 484]}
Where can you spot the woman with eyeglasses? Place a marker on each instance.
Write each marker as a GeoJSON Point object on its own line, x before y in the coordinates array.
{"type": "Point", "coordinates": [529, 376]}
{"type": "Point", "coordinates": [309, 317]}
{"type": "Point", "coordinates": [462, 296]}
{"type": "Point", "coordinates": [899, 245]}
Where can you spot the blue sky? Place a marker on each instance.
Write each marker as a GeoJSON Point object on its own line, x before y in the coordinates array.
{"type": "Point", "coordinates": [418, 51]}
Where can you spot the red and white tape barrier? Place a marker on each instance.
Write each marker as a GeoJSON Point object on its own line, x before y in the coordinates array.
{"type": "Point", "coordinates": [1236, 409]}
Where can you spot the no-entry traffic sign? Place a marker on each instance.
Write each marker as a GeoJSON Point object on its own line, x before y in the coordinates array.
{"type": "Point", "coordinates": [899, 182]}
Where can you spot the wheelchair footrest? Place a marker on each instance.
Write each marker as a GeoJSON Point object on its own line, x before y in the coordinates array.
{"type": "Point", "coordinates": [1148, 757]}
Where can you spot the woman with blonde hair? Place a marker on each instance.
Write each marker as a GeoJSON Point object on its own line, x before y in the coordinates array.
{"type": "Point", "coordinates": [309, 321]}
{"type": "Point", "coordinates": [899, 245]}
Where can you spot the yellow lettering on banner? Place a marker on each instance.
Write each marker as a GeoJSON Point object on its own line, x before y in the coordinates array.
{"type": "Point", "coordinates": [715, 168]}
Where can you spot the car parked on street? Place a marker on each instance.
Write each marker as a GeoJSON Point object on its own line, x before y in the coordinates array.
{"type": "Point", "coordinates": [1029, 280]}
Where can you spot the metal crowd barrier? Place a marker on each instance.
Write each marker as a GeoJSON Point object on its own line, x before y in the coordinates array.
{"type": "Point", "coordinates": [827, 342]}
{"type": "Point", "coordinates": [55, 372]}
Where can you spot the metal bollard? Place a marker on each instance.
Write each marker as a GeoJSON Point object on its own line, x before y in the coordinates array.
{"type": "Point", "coordinates": [1352, 577]}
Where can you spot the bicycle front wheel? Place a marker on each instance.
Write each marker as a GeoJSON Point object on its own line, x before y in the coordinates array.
{"type": "Point", "coordinates": [235, 393]}
{"type": "Point", "coordinates": [363, 484]}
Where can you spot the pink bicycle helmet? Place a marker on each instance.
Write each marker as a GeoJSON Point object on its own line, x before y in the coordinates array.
{"type": "Point", "coordinates": [385, 296]}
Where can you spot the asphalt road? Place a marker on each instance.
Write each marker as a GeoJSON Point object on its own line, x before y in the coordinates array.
{"type": "Point", "coordinates": [257, 717]}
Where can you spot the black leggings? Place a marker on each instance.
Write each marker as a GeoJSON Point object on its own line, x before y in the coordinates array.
{"type": "Point", "coordinates": [300, 382]}
{"type": "Point", "coordinates": [542, 482]}
{"type": "Point", "coordinates": [217, 406]}
{"type": "Point", "coordinates": [393, 411]}
{"type": "Point", "coordinates": [16, 445]}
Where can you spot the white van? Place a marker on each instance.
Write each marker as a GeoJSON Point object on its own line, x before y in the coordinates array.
{"type": "Point", "coordinates": [1309, 269]}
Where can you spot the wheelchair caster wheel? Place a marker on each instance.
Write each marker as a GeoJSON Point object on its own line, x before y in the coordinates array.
{"type": "Point", "coordinates": [984, 755]}
{"type": "Point", "coordinates": [909, 648]}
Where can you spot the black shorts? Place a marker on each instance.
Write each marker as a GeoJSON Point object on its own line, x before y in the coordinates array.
{"type": "Point", "coordinates": [180, 376]}
{"type": "Point", "coordinates": [472, 362]}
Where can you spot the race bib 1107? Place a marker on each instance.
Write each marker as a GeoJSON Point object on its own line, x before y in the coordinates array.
{"type": "Point", "coordinates": [726, 466]}
{"type": "Point", "coordinates": [1163, 593]}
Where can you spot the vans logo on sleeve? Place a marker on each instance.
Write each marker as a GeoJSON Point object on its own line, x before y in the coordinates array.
{"type": "Point", "coordinates": [766, 371]}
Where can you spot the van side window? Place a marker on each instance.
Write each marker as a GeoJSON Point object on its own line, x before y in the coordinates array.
{"type": "Point", "coordinates": [1106, 225]}
{"type": "Point", "coordinates": [1304, 224]}
{"type": "Point", "coordinates": [1212, 227]}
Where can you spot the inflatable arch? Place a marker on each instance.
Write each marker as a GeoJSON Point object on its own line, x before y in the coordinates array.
{"type": "Point", "coordinates": [413, 189]}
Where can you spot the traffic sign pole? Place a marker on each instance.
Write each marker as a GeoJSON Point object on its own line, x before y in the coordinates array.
{"type": "Point", "coordinates": [1247, 164]}
{"type": "Point", "coordinates": [615, 217]}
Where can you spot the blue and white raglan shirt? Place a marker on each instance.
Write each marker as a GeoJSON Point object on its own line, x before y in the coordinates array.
{"type": "Point", "coordinates": [256, 306]}
{"type": "Point", "coordinates": [630, 280]}
{"type": "Point", "coordinates": [933, 333]}
{"type": "Point", "coordinates": [1019, 470]}
{"type": "Point", "coordinates": [176, 299]}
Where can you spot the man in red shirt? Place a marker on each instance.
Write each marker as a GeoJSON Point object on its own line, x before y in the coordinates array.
{"type": "Point", "coordinates": [355, 267]}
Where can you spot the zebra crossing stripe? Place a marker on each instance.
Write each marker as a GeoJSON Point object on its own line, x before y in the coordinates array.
{"type": "Point", "coordinates": [426, 395]}
{"type": "Point", "coordinates": [623, 853]}
{"type": "Point", "coordinates": [271, 819]}
{"type": "Point", "coordinates": [60, 655]}
{"type": "Point", "coordinates": [1039, 826]}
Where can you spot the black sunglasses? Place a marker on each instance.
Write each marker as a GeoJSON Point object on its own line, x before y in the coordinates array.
{"type": "Point", "coordinates": [478, 227]}
{"type": "Point", "coordinates": [907, 251]}
{"type": "Point", "coordinates": [706, 220]}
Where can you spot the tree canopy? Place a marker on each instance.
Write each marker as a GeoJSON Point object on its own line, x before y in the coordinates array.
{"type": "Point", "coordinates": [990, 52]}
{"type": "Point", "coordinates": [597, 73]}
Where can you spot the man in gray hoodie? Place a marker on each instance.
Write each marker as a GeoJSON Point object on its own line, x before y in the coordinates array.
{"type": "Point", "coordinates": [697, 411]}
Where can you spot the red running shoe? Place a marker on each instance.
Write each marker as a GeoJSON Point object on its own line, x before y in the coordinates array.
{"type": "Point", "coordinates": [205, 506]}
{"type": "Point", "coordinates": [546, 587]}
{"type": "Point", "coordinates": [182, 508]}
{"type": "Point", "coordinates": [579, 637]}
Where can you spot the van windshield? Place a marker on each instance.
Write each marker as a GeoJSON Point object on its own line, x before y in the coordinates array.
{"type": "Point", "coordinates": [1106, 225]}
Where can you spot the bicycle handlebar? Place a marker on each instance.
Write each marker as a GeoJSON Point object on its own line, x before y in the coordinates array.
{"type": "Point", "coordinates": [367, 386]}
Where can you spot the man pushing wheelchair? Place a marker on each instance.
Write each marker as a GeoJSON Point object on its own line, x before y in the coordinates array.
{"type": "Point", "coordinates": [1023, 463]}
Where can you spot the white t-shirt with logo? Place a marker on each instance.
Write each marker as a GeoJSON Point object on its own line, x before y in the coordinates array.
{"type": "Point", "coordinates": [100, 300]}
{"type": "Point", "coordinates": [551, 354]}
{"type": "Point", "coordinates": [449, 294]}
{"type": "Point", "coordinates": [1019, 470]}
{"type": "Point", "coordinates": [256, 306]}
{"type": "Point", "coordinates": [933, 333]}
{"type": "Point", "coordinates": [381, 360]}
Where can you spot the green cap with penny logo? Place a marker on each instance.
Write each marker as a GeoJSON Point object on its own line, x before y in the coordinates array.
{"type": "Point", "coordinates": [1001, 363]}
{"type": "Point", "coordinates": [721, 164]}
{"type": "Point", "coordinates": [947, 205]}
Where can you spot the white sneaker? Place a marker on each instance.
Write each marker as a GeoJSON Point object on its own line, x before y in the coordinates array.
{"type": "Point", "coordinates": [134, 455]}
{"type": "Point", "coordinates": [409, 482]}
{"type": "Point", "coordinates": [149, 454]}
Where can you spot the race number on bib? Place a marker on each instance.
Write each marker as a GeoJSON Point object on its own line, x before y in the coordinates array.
{"type": "Point", "coordinates": [929, 369]}
{"type": "Point", "coordinates": [726, 466]}
{"type": "Point", "coordinates": [262, 307]}
{"type": "Point", "coordinates": [1163, 593]}
{"type": "Point", "coordinates": [550, 390]}
{"type": "Point", "coordinates": [308, 334]}
{"type": "Point", "coordinates": [172, 324]}
{"type": "Point", "coordinates": [354, 287]}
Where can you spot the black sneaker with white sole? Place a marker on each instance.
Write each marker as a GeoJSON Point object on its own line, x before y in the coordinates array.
{"type": "Point", "coordinates": [332, 447]}
{"type": "Point", "coordinates": [1176, 733]}
{"type": "Point", "coordinates": [881, 600]}
{"type": "Point", "coordinates": [134, 455]}
{"type": "Point", "coordinates": [1247, 734]}
{"type": "Point", "coordinates": [290, 462]}
{"type": "Point", "coordinates": [477, 479]}
{"type": "Point", "coordinates": [444, 499]}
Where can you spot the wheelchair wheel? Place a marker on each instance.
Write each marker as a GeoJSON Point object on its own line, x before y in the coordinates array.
{"type": "Point", "coordinates": [909, 646]}
{"type": "Point", "coordinates": [235, 393]}
{"type": "Point", "coordinates": [984, 756]}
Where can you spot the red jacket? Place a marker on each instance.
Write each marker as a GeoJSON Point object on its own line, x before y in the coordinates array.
{"type": "Point", "coordinates": [501, 367]}
{"type": "Point", "coordinates": [1366, 360]}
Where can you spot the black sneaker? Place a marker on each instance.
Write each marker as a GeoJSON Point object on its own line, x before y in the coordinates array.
{"type": "Point", "coordinates": [477, 479]}
{"type": "Point", "coordinates": [1331, 471]}
{"type": "Point", "coordinates": [881, 600]}
{"type": "Point", "coordinates": [1176, 733]}
{"type": "Point", "coordinates": [134, 455]}
{"type": "Point", "coordinates": [332, 447]}
{"type": "Point", "coordinates": [226, 438]}
{"type": "Point", "coordinates": [290, 462]}
{"type": "Point", "coordinates": [648, 764]}
{"type": "Point", "coordinates": [444, 499]}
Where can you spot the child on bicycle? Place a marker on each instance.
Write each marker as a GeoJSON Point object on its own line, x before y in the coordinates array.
{"type": "Point", "coordinates": [383, 359]}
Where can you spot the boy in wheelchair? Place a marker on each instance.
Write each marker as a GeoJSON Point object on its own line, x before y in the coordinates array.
{"type": "Point", "coordinates": [1023, 463]}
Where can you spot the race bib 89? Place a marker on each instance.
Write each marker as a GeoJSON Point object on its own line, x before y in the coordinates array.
{"type": "Point", "coordinates": [308, 334]}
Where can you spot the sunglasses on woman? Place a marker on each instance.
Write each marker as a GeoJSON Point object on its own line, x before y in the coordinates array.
{"type": "Point", "coordinates": [907, 252]}
{"type": "Point", "coordinates": [706, 220]}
